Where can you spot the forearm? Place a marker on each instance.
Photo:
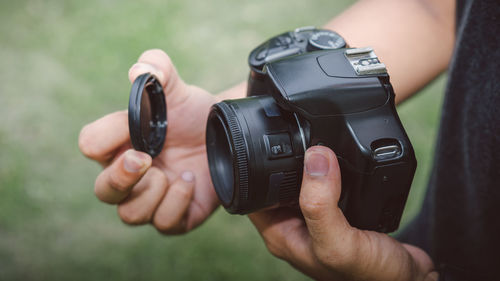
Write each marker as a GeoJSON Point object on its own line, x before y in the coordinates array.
{"type": "Point", "coordinates": [414, 38]}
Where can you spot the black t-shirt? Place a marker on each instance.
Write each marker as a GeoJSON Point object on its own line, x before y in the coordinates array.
{"type": "Point", "coordinates": [459, 225]}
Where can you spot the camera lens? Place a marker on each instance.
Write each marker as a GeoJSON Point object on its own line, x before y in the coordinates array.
{"type": "Point", "coordinates": [255, 153]}
{"type": "Point", "coordinates": [147, 115]}
{"type": "Point", "coordinates": [222, 160]}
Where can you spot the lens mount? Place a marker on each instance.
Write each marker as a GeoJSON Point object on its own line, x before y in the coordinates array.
{"type": "Point", "coordinates": [147, 115]}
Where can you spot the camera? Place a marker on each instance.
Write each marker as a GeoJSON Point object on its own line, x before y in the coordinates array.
{"type": "Point", "coordinates": [333, 96]}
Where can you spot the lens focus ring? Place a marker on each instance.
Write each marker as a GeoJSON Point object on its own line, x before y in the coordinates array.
{"type": "Point", "coordinates": [240, 155]}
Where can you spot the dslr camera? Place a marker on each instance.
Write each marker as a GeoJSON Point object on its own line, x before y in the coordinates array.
{"type": "Point", "coordinates": [307, 87]}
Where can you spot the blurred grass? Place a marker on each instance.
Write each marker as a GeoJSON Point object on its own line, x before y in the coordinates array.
{"type": "Point", "coordinates": [64, 64]}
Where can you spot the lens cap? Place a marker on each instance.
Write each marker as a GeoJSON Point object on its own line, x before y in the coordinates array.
{"type": "Point", "coordinates": [147, 115]}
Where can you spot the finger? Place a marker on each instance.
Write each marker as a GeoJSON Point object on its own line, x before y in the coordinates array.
{"type": "Point", "coordinates": [287, 238]}
{"type": "Point", "coordinates": [283, 231]}
{"type": "Point", "coordinates": [171, 213]}
{"type": "Point", "coordinates": [159, 63]}
{"type": "Point", "coordinates": [319, 196]}
{"type": "Point", "coordinates": [115, 182]}
{"type": "Point", "coordinates": [159, 59]}
{"type": "Point", "coordinates": [139, 206]}
{"type": "Point", "coordinates": [101, 139]}
{"type": "Point", "coordinates": [140, 68]}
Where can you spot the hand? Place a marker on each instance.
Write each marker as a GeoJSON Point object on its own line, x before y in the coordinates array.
{"type": "Point", "coordinates": [174, 190]}
{"type": "Point", "coordinates": [323, 245]}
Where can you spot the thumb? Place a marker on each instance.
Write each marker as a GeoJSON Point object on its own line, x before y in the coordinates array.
{"type": "Point", "coordinates": [319, 196]}
{"type": "Point", "coordinates": [158, 63]}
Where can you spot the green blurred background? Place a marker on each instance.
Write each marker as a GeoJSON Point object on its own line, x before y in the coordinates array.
{"type": "Point", "coordinates": [64, 64]}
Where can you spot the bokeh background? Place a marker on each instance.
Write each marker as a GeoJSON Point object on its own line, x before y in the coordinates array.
{"type": "Point", "coordinates": [64, 64]}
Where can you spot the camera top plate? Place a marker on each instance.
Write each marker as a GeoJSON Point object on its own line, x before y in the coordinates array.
{"type": "Point", "coordinates": [323, 84]}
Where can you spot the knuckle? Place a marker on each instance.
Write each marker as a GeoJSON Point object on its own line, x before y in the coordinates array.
{"type": "Point", "coordinates": [129, 216]}
{"type": "Point", "coordinates": [182, 192]}
{"type": "Point", "coordinates": [167, 227]}
{"type": "Point", "coordinates": [116, 182]}
{"type": "Point", "coordinates": [161, 224]}
{"type": "Point", "coordinates": [104, 194]}
{"type": "Point", "coordinates": [312, 206]}
{"type": "Point", "coordinates": [158, 175]}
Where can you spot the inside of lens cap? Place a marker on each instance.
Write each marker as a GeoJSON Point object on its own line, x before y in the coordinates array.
{"type": "Point", "coordinates": [147, 115]}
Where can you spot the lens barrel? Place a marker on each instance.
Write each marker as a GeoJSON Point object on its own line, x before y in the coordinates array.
{"type": "Point", "coordinates": [255, 153]}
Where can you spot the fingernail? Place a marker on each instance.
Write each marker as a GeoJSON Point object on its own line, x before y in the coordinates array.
{"type": "Point", "coordinates": [134, 162]}
{"type": "Point", "coordinates": [187, 176]}
{"type": "Point", "coordinates": [316, 164]}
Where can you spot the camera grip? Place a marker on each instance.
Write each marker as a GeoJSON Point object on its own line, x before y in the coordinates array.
{"type": "Point", "coordinates": [374, 196]}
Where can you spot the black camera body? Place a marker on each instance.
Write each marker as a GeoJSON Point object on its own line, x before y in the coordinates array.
{"type": "Point", "coordinates": [340, 98]}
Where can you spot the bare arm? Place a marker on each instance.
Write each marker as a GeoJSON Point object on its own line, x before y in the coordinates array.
{"type": "Point", "coordinates": [414, 38]}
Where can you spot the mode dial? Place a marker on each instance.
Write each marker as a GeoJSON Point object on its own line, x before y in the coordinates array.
{"type": "Point", "coordinates": [325, 40]}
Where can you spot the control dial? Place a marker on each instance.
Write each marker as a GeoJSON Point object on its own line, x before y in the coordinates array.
{"type": "Point", "coordinates": [325, 40]}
